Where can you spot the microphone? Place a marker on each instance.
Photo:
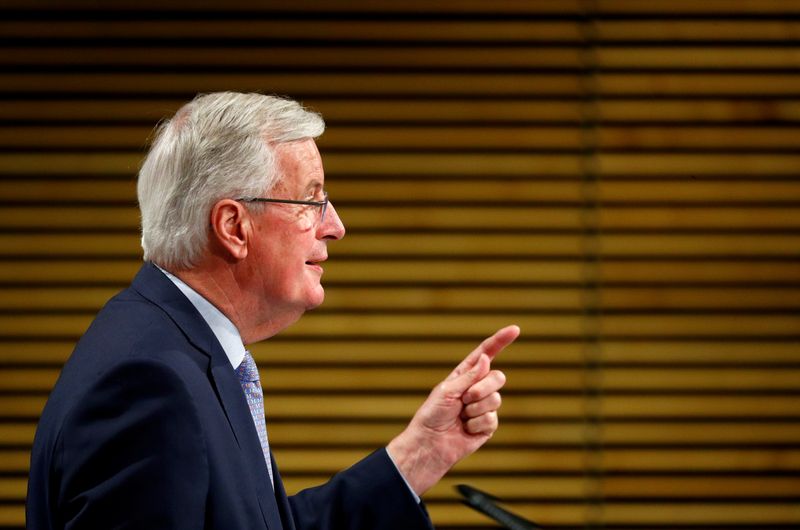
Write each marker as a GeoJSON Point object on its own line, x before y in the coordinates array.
{"type": "Point", "coordinates": [484, 503]}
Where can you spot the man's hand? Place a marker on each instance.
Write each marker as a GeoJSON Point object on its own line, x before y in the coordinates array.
{"type": "Point", "coordinates": [458, 417]}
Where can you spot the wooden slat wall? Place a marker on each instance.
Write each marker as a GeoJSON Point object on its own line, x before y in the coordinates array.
{"type": "Point", "coordinates": [618, 177]}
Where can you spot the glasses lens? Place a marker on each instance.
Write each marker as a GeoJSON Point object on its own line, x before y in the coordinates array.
{"type": "Point", "coordinates": [324, 209]}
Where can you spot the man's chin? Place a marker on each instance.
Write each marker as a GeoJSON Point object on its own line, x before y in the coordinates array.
{"type": "Point", "coordinates": [316, 299]}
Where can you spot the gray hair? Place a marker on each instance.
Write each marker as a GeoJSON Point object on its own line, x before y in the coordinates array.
{"type": "Point", "coordinates": [216, 146]}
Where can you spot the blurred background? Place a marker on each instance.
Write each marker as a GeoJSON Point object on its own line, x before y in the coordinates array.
{"type": "Point", "coordinates": [619, 178]}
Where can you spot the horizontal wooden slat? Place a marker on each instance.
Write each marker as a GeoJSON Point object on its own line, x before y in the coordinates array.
{"type": "Point", "coordinates": [532, 245]}
{"type": "Point", "coordinates": [578, 514]}
{"type": "Point", "coordinates": [494, 460]}
{"type": "Point", "coordinates": [610, 487]}
{"type": "Point", "coordinates": [452, 7]}
{"type": "Point", "coordinates": [12, 515]}
{"type": "Point", "coordinates": [451, 137]}
{"type": "Point", "coordinates": [338, 31]}
{"type": "Point", "coordinates": [485, 245]}
{"type": "Point", "coordinates": [726, 138]}
{"type": "Point", "coordinates": [686, 7]}
{"type": "Point", "coordinates": [448, 166]}
{"type": "Point", "coordinates": [399, 407]}
{"type": "Point", "coordinates": [85, 165]}
{"type": "Point", "coordinates": [627, 164]}
{"type": "Point", "coordinates": [558, 487]}
{"type": "Point", "coordinates": [405, 84]}
{"type": "Point", "coordinates": [455, 30]}
{"type": "Point", "coordinates": [342, 352]}
{"type": "Point", "coordinates": [519, 379]}
{"type": "Point", "coordinates": [702, 58]}
{"type": "Point", "coordinates": [700, 352]}
{"type": "Point", "coordinates": [695, 487]}
{"type": "Point", "coordinates": [639, 325]}
{"type": "Point", "coordinates": [713, 433]}
{"type": "Point", "coordinates": [703, 110]}
{"type": "Point", "coordinates": [69, 191]}
{"type": "Point", "coordinates": [326, 56]}
{"type": "Point", "coordinates": [69, 217]}
{"type": "Point", "coordinates": [316, 6]}
{"type": "Point", "coordinates": [553, 460]}
{"type": "Point", "coordinates": [513, 433]}
{"type": "Point", "coordinates": [466, 137]}
{"type": "Point", "coordinates": [340, 111]}
{"type": "Point", "coordinates": [444, 192]}
{"type": "Point", "coordinates": [620, 516]}
{"type": "Point", "coordinates": [454, 325]}
{"type": "Point", "coordinates": [611, 218]}
{"type": "Point", "coordinates": [14, 488]}
{"type": "Point", "coordinates": [460, 298]}
{"type": "Point", "coordinates": [697, 271]}
{"type": "Point", "coordinates": [688, 29]}
{"type": "Point", "coordinates": [443, 217]}
{"type": "Point", "coordinates": [408, 31]}
{"type": "Point", "coordinates": [14, 460]}
{"type": "Point", "coordinates": [661, 84]}
{"type": "Point", "coordinates": [441, 58]}
{"type": "Point", "coordinates": [416, 271]}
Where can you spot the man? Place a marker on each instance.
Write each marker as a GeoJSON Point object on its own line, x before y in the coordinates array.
{"type": "Point", "coordinates": [157, 419]}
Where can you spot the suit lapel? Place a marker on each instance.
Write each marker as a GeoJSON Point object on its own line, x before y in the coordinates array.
{"type": "Point", "coordinates": [156, 287]}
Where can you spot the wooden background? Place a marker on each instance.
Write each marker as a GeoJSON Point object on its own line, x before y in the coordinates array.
{"type": "Point", "coordinates": [619, 178]}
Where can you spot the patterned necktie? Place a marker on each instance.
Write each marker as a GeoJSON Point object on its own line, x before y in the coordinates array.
{"type": "Point", "coordinates": [248, 377]}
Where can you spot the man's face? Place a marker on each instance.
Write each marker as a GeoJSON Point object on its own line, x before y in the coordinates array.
{"type": "Point", "coordinates": [290, 242]}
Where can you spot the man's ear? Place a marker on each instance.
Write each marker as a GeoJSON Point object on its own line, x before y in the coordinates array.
{"type": "Point", "coordinates": [231, 228]}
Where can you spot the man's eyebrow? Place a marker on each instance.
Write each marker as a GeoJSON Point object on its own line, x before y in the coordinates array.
{"type": "Point", "coordinates": [314, 185]}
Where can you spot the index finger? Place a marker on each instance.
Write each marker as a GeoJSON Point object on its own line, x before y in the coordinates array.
{"type": "Point", "coordinates": [497, 342]}
{"type": "Point", "coordinates": [490, 346]}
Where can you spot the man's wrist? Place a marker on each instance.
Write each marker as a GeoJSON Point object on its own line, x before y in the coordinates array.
{"type": "Point", "coordinates": [410, 488]}
{"type": "Point", "coordinates": [415, 462]}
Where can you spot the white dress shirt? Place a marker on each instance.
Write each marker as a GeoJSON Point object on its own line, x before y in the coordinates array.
{"type": "Point", "coordinates": [226, 333]}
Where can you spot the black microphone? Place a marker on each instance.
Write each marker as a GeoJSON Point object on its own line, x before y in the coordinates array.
{"type": "Point", "coordinates": [483, 502]}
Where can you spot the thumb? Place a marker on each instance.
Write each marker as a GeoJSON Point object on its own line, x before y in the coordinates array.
{"type": "Point", "coordinates": [457, 386]}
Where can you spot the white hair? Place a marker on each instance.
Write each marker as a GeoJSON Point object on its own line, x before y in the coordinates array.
{"type": "Point", "coordinates": [216, 146]}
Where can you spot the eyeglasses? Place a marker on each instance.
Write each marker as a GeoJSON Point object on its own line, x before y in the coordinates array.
{"type": "Point", "coordinates": [322, 205]}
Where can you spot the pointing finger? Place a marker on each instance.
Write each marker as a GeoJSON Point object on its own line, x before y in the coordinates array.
{"type": "Point", "coordinates": [497, 342]}
{"type": "Point", "coordinates": [490, 346]}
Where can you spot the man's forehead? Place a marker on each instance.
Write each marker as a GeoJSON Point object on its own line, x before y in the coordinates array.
{"type": "Point", "coordinates": [302, 149]}
{"type": "Point", "coordinates": [300, 164]}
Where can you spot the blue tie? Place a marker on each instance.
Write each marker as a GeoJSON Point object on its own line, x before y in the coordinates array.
{"type": "Point", "coordinates": [248, 377]}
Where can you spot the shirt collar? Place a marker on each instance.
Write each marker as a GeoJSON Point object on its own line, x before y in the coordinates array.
{"type": "Point", "coordinates": [226, 333]}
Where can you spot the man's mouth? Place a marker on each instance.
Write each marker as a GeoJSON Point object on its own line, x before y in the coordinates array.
{"type": "Point", "coordinates": [316, 263]}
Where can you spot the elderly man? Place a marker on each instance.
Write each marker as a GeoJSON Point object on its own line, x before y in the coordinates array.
{"type": "Point", "coordinates": [157, 420]}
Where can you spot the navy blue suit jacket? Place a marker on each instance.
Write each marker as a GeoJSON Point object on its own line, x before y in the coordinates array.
{"type": "Point", "coordinates": [148, 427]}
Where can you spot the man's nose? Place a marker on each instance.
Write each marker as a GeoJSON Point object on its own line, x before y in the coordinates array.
{"type": "Point", "coordinates": [332, 226]}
